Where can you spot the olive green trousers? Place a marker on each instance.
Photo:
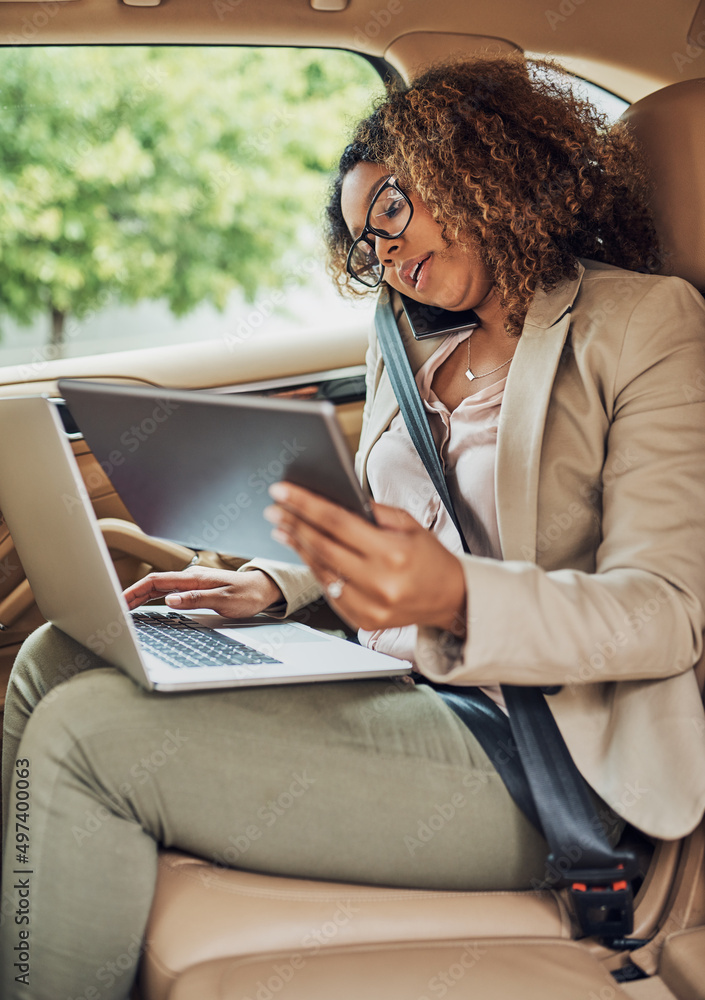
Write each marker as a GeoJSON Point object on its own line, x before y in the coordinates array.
{"type": "Point", "coordinates": [360, 781]}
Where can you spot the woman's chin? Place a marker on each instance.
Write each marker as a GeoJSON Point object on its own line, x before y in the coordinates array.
{"type": "Point", "coordinates": [436, 298]}
{"type": "Point", "coordinates": [412, 292]}
{"type": "Point", "coordinates": [451, 303]}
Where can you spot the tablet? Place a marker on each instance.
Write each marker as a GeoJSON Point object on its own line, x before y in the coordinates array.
{"type": "Point", "coordinates": [194, 467]}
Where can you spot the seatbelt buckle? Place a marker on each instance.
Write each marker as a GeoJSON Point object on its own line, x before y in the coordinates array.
{"type": "Point", "coordinates": [603, 903]}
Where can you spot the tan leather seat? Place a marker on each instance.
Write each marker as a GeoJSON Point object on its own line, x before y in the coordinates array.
{"type": "Point", "coordinates": [205, 915]}
{"type": "Point", "coordinates": [490, 970]}
{"type": "Point", "coordinates": [232, 934]}
{"type": "Point", "coordinates": [682, 964]}
{"type": "Point", "coordinates": [669, 127]}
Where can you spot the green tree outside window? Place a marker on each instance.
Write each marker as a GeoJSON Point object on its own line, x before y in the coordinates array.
{"type": "Point", "coordinates": [163, 173]}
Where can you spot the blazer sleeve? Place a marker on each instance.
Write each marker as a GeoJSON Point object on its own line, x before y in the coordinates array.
{"type": "Point", "coordinates": [640, 615]}
{"type": "Point", "coordinates": [297, 583]}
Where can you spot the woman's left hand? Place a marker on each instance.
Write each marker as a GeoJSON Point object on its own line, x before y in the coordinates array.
{"type": "Point", "coordinates": [383, 575]}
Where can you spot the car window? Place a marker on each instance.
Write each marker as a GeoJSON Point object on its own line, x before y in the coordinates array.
{"type": "Point", "coordinates": [159, 195]}
{"type": "Point", "coordinates": [155, 195]}
{"type": "Point", "coordinates": [607, 102]}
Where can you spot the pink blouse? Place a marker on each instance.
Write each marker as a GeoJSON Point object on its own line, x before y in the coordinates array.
{"type": "Point", "coordinates": [466, 439]}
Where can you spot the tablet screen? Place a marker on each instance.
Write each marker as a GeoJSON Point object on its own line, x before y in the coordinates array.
{"type": "Point", "coordinates": [195, 467]}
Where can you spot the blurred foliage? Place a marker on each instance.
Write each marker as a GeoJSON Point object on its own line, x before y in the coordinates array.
{"type": "Point", "coordinates": [182, 174]}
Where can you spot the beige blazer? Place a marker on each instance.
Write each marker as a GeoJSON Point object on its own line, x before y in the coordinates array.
{"type": "Point", "coordinates": [600, 490]}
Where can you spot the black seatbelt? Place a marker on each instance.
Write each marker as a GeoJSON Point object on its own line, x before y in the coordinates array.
{"type": "Point", "coordinates": [491, 728]}
{"type": "Point", "coordinates": [412, 409]}
{"type": "Point", "coordinates": [598, 875]}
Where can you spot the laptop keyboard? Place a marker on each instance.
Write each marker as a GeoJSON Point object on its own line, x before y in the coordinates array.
{"type": "Point", "coordinates": [182, 642]}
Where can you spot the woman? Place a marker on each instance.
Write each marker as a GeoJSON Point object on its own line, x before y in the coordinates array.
{"type": "Point", "coordinates": [499, 192]}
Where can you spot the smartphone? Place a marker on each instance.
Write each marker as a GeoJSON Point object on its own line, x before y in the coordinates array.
{"type": "Point", "coordinates": [431, 321]}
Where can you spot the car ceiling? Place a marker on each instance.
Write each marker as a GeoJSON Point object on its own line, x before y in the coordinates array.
{"type": "Point", "coordinates": [631, 47]}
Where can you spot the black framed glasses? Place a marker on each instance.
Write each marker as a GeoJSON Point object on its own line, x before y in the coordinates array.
{"type": "Point", "coordinates": [391, 213]}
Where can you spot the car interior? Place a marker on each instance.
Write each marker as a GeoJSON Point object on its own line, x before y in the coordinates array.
{"type": "Point", "coordinates": [224, 932]}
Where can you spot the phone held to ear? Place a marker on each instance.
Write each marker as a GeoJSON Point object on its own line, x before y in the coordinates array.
{"type": "Point", "coordinates": [431, 321]}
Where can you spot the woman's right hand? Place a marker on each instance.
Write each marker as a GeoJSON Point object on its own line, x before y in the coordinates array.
{"type": "Point", "coordinates": [231, 594]}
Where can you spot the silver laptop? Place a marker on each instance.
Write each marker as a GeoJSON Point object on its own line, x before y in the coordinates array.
{"type": "Point", "coordinates": [59, 542]}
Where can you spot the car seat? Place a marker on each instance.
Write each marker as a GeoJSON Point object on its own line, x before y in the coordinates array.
{"type": "Point", "coordinates": [230, 934]}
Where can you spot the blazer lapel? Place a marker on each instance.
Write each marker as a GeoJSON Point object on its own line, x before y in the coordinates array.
{"type": "Point", "coordinates": [523, 416]}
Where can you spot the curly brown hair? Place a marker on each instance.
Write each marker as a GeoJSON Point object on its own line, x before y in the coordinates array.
{"type": "Point", "coordinates": [508, 159]}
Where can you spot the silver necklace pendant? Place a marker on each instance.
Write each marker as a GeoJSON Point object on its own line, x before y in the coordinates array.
{"type": "Point", "coordinates": [471, 376]}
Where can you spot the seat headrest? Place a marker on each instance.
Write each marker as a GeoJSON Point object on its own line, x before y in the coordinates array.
{"type": "Point", "coordinates": [669, 125]}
